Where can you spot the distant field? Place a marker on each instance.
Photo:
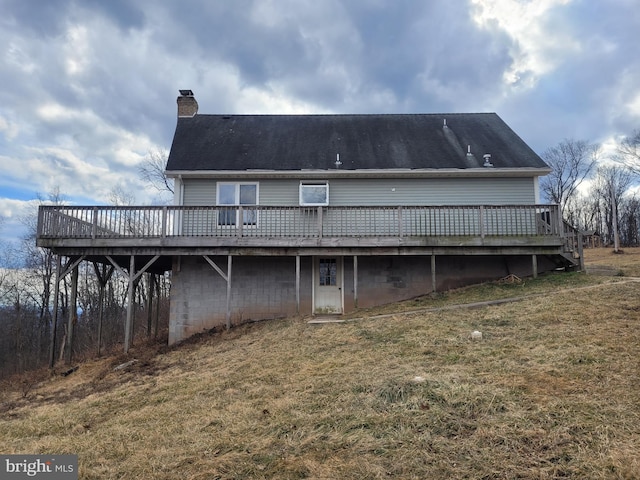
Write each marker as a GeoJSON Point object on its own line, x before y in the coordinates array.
{"type": "Point", "coordinates": [552, 390]}
{"type": "Point", "coordinates": [628, 261]}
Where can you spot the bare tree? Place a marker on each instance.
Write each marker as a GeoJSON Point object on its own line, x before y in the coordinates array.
{"type": "Point", "coordinates": [27, 286]}
{"type": "Point", "coordinates": [40, 263]}
{"type": "Point", "coordinates": [152, 171]}
{"type": "Point", "coordinates": [121, 198]}
{"type": "Point", "coordinates": [609, 188]}
{"type": "Point", "coordinates": [571, 162]}
{"type": "Point", "coordinates": [629, 213]}
{"type": "Point", "coordinates": [629, 152]}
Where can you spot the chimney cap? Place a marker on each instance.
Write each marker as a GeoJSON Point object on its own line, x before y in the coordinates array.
{"type": "Point", "coordinates": [186, 93]}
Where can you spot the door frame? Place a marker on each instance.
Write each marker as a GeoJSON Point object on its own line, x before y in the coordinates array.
{"type": "Point", "coordinates": [339, 281]}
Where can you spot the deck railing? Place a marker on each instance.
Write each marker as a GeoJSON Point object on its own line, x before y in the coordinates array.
{"type": "Point", "coordinates": [104, 222]}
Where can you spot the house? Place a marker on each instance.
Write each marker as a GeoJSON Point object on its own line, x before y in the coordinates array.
{"type": "Point", "coordinates": [278, 215]}
{"type": "Point", "coordinates": [331, 210]}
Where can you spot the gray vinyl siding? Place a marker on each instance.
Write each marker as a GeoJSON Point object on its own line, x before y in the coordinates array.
{"type": "Point", "coordinates": [379, 192]}
{"type": "Point", "coordinates": [199, 191]}
{"type": "Point", "coordinates": [433, 191]}
{"type": "Point", "coordinates": [279, 192]}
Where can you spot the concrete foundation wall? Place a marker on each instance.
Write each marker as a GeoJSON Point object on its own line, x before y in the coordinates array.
{"type": "Point", "coordinates": [261, 288]}
{"type": "Point", "coordinates": [390, 279]}
{"type": "Point", "coordinates": [265, 287]}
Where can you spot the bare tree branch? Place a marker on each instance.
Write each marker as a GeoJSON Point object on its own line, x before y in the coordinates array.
{"type": "Point", "coordinates": [571, 162]}
{"type": "Point", "coordinates": [120, 198]}
{"type": "Point", "coordinates": [152, 170]}
{"type": "Point", "coordinates": [629, 152]}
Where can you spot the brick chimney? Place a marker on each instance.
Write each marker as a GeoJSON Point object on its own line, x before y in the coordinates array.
{"type": "Point", "coordinates": [187, 105]}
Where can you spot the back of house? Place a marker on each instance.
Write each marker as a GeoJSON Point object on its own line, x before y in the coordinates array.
{"type": "Point", "coordinates": [315, 214]}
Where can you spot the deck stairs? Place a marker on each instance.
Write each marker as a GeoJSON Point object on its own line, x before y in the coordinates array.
{"type": "Point", "coordinates": [572, 257]}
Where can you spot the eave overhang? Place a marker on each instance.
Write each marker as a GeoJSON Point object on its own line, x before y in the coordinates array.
{"type": "Point", "coordinates": [489, 172]}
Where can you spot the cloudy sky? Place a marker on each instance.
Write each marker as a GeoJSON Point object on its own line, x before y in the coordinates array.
{"type": "Point", "coordinates": [89, 87]}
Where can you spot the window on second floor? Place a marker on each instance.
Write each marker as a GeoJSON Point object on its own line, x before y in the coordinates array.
{"type": "Point", "coordinates": [314, 193]}
{"type": "Point", "coordinates": [234, 194]}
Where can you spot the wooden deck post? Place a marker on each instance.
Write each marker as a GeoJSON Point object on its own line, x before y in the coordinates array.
{"type": "Point", "coordinates": [54, 327]}
{"type": "Point", "coordinates": [73, 315]}
{"type": "Point", "coordinates": [320, 221]}
{"type": "Point", "coordinates": [100, 308]}
{"type": "Point", "coordinates": [433, 273]}
{"type": "Point", "coordinates": [534, 265]}
{"type": "Point", "coordinates": [130, 292]}
{"type": "Point", "coordinates": [157, 319]}
{"type": "Point", "coordinates": [94, 222]}
{"type": "Point", "coordinates": [297, 284]}
{"type": "Point", "coordinates": [581, 251]}
{"type": "Point", "coordinates": [151, 286]}
{"type": "Point", "coordinates": [560, 224]}
{"type": "Point", "coordinates": [103, 277]}
{"type": "Point", "coordinates": [355, 281]}
{"type": "Point", "coordinates": [133, 280]}
{"type": "Point", "coordinates": [229, 257]}
{"type": "Point", "coordinates": [164, 222]}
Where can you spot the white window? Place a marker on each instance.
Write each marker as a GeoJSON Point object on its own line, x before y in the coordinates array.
{"type": "Point", "coordinates": [314, 193]}
{"type": "Point", "coordinates": [230, 195]}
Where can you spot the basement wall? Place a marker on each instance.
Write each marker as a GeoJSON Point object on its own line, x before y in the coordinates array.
{"type": "Point", "coordinates": [264, 288]}
{"type": "Point", "coordinates": [261, 288]}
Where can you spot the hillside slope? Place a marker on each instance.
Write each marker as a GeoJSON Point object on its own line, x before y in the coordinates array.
{"type": "Point", "coordinates": [551, 390]}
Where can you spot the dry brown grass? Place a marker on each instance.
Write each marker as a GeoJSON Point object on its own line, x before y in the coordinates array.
{"type": "Point", "coordinates": [626, 262]}
{"type": "Point", "coordinates": [551, 391]}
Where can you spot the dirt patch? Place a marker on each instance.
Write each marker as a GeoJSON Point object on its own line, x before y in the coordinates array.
{"type": "Point", "coordinates": [65, 383]}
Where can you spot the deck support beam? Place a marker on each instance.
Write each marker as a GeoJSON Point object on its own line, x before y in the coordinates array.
{"type": "Point", "coordinates": [61, 272]}
{"type": "Point", "coordinates": [73, 316]}
{"type": "Point", "coordinates": [355, 281]}
{"type": "Point", "coordinates": [433, 273]}
{"type": "Point", "coordinates": [297, 284]}
{"type": "Point", "coordinates": [534, 265]}
{"type": "Point", "coordinates": [151, 286]}
{"type": "Point", "coordinates": [229, 257]}
{"type": "Point", "coordinates": [103, 275]}
{"type": "Point", "coordinates": [157, 320]}
{"type": "Point", "coordinates": [131, 288]}
{"type": "Point", "coordinates": [581, 251]}
{"type": "Point", "coordinates": [227, 278]}
{"type": "Point", "coordinates": [54, 326]}
{"type": "Point", "coordinates": [133, 279]}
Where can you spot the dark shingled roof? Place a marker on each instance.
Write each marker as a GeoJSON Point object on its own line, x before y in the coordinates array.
{"type": "Point", "coordinates": [296, 142]}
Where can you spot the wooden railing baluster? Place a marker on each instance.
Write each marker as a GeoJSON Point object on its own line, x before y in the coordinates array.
{"type": "Point", "coordinates": [272, 221]}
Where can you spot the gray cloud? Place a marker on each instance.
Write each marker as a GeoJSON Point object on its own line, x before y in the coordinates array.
{"type": "Point", "coordinates": [90, 86]}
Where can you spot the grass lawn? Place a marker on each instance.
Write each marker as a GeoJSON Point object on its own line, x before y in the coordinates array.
{"type": "Point", "coordinates": [552, 390]}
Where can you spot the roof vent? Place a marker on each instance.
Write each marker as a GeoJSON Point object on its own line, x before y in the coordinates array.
{"type": "Point", "coordinates": [187, 105]}
{"type": "Point", "coordinates": [487, 160]}
{"type": "Point", "coordinates": [338, 162]}
{"type": "Point", "coordinates": [469, 154]}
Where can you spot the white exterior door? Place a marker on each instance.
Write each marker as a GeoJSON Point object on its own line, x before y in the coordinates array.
{"type": "Point", "coordinates": [327, 285]}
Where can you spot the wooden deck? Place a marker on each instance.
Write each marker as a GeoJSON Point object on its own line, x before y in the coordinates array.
{"type": "Point", "coordinates": [286, 230]}
{"type": "Point", "coordinates": [135, 240]}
